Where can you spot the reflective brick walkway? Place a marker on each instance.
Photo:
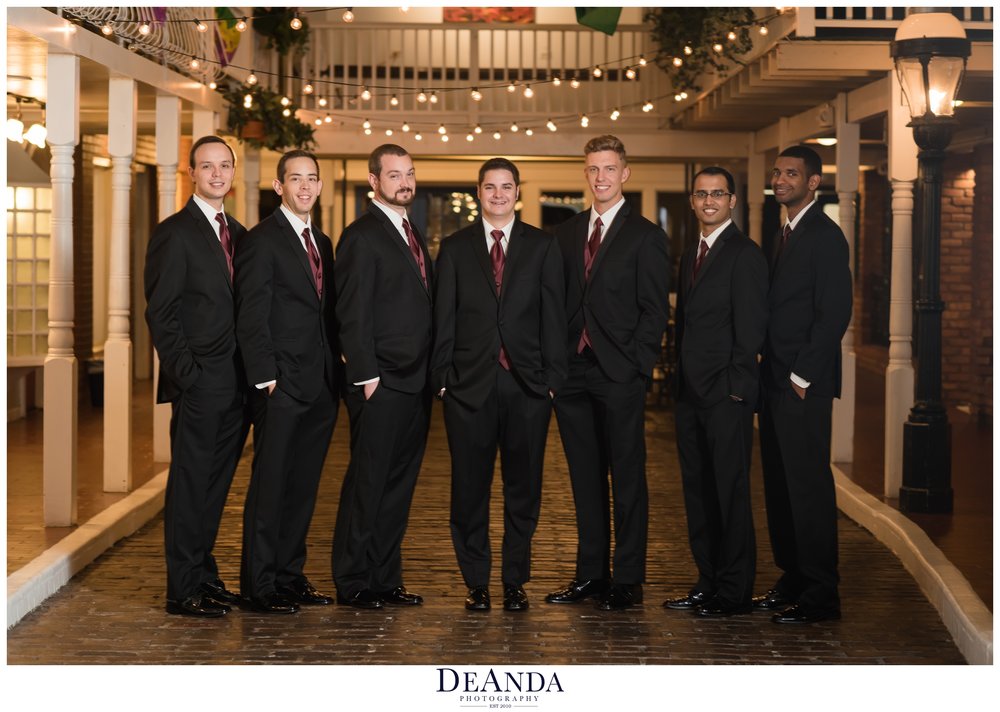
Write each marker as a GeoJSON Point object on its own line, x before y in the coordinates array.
{"type": "Point", "coordinates": [112, 612]}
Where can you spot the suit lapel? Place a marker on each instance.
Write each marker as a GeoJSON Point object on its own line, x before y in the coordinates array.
{"type": "Point", "coordinates": [396, 237]}
{"type": "Point", "coordinates": [482, 255]}
{"type": "Point", "coordinates": [717, 247]}
{"type": "Point", "coordinates": [580, 248]}
{"type": "Point", "coordinates": [294, 243]}
{"type": "Point", "coordinates": [211, 238]}
{"type": "Point", "coordinates": [514, 249]}
{"type": "Point", "coordinates": [609, 236]}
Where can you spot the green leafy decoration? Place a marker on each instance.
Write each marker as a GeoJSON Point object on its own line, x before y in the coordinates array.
{"type": "Point", "coordinates": [280, 131]}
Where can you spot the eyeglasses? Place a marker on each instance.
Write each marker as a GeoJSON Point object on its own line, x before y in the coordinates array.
{"type": "Point", "coordinates": [716, 194]}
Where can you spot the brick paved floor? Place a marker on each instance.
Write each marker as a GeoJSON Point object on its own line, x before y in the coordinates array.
{"type": "Point", "coordinates": [112, 612]}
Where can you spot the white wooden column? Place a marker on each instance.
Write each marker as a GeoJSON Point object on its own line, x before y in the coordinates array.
{"type": "Point", "coordinates": [756, 170]}
{"type": "Point", "coordinates": [168, 140]}
{"type": "Point", "coordinates": [251, 186]}
{"type": "Point", "coordinates": [848, 167]}
{"type": "Point", "coordinates": [59, 471]}
{"type": "Point", "coordinates": [122, 114]}
{"type": "Point", "coordinates": [899, 377]}
{"type": "Point", "coordinates": [204, 122]}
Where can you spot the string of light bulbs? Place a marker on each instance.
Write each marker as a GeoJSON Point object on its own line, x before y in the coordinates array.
{"type": "Point", "coordinates": [241, 24]}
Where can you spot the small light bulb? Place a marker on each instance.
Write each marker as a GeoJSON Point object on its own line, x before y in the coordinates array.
{"type": "Point", "coordinates": [584, 121]}
{"type": "Point", "coordinates": [241, 25]}
{"type": "Point", "coordinates": [514, 128]}
{"type": "Point", "coordinates": [496, 135]}
{"type": "Point", "coordinates": [434, 97]}
{"type": "Point", "coordinates": [366, 124]}
{"type": "Point", "coordinates": [677, 97]}
{"type": "Point", "coordinates": [529, 132]}
{"type": "Point", "coordinates": [365, 94]}
{"type": "Point", "coordinates": [144, 29]}
{"type": "Point", "coordinates": [556, 81]}
{"type": "Point", "coordinates": [394, 101]}
{"type": "Point", "coordinates": [368, 132]}
{"type": "Point", "coordinates": [642, 61]}
{"type": "Point", "coordinates": [575, 83]}
{"type": "Point", "coordinates": [322, 101]}
{"type": "Point", "coordinates": [421, 97]}
{"type": "Point", "coordinates": [550, 125]}
{"type": "Point", "coordinates": [598, 71]}
{"type": "Point", "coordinates": [511, 88]}
{"type": "Point", "coordinates": [762, 29]}
{"type": "Point", "coordinates": [442, 130]}
{"type": "Point", "coordinates": [528, 92]}
{"type": "Point", "coordinates": [476, 94]}
{"type": "Point", "coordinates": [388, 132]}
{"type": "Point", "coordinates": [106, 29]}
{"type": "Point", "coordinates": [445, 138]}
{"type": "Point", "coordinates": [296, 23]}
{"type": "Point", "coordinates": [348, 16]}
{"type": "Point", "coordinates": [687, 50]}
{"type": "Point", "coordinates": [470, 138]}
{"type": "Point", "coordinates": [252, 78]}
{"type": "Point", "coordinates": [194, 63]}
{"type": "Point", "coordinates": [647, 107]}
{"type": "Point", "coordinates": [717, 47]}
{"type": "Point", "coordinates": [418, 137]}
{"type": "Point", "coordinates": [202, 27]}
{"type": "Point", "coordinates": [684, 95]}
{"type": "Point", "coordinates": [478, 129]}
{"type": "Point", "coordinates": [615, 114]}
{"type": "Point", "coordinates": [286, 113]}
{"type": "Point", "coordinates": [308, 88]}
{"type": "Point", "coordinates": [213, 86]}
{"type": "Point", "coordinates": [630, 73]}
{"type": "Point", "coordinates": [318, 122]}
{"type": "Point", "coordinates": [678, 61]}
{"type": "Point", "coordinates": [285, 101]}
{"type": "Point", "coordinates": [406, 128]}
{"type": "Point", "coordinates": [731, 36]}
{"type": "Point", "coordinates": [327, 119]}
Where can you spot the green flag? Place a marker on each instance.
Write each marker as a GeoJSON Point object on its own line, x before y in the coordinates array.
{"type": "Point", "coordinates": [604, 19]}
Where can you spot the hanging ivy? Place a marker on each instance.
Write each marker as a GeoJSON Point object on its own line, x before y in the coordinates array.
{"type": "Point", "coordinates": [263, 124]}
{"type": "Point", "coordinates": [702, 39]}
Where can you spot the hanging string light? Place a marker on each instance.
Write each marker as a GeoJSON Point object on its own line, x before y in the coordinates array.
{"type": "Point", "coordinates": [241, 25]}
{"type": "Point", "coordinates": [296, 23]}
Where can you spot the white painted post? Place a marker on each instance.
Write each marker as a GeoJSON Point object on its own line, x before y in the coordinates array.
{"type": "Point", "coordinates": [59, 445]}
{"type": "Point", "coordinates": [122, 115]}
{"type": "Point", "coordinates": [899, 376]}
{"type": "Point", "coordinates": [168, 138]}
{"type": "Point", "coordinates": [848, 167]}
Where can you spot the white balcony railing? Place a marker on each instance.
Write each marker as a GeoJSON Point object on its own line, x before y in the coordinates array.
{"type": "Point", "coordinates": [820, 21]}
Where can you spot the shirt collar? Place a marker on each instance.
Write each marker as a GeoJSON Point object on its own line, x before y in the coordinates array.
{"type": "Point", "coordinates": [295, 221]}
{"type": "Point", "coordinates": [487, 229]}
{"type": "Point", "coordinates": [606, 219]}
{"type": "Point", "coordinates": [395, 217]}
{"type": "Point", "coordinates": [798, 218]}
{"type": "Point", "coordinates": [209, 211]}
{"type": "Point", "coordinates": [711, 237]}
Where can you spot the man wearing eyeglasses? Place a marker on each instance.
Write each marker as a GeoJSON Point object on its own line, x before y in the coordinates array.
{"type": "Point", "coordinates": [721, 320]}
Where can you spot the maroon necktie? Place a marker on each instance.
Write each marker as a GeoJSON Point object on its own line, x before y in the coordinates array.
{"type": "Point", "coordinates": [702, 251]}
{"type": "Point", "coordinates": [418, 254]}
{"type": "Point", "coordinates": [497, 258]}
{"type": "Point", "coordinates": [593, 245]}
{"type": "Point", "coordinates": [314, 262]}
{"type": "Point", "coordinates": [784, 238]}
{"type": "Point", "coordinates": [227, 241]}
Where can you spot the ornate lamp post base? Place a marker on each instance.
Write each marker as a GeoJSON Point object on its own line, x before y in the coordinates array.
{"type": "Point", "coordinates": [926, 467]}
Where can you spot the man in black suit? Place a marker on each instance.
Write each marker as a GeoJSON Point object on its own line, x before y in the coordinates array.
{"type": "Point", "coordinates": [285, 325]}
{"type": "Point", "coordinates": [499, 356]}
{"type": "Point", "coordinates": [384, 280]}
{"type": "Point", "coordinates": [617, 282]}
{"type": "Point", "coordinates": [810, 308]}
{"type": "Point", "coordinates": [189, 295]}
{"type": "Point", "coordinates": [721, 318]}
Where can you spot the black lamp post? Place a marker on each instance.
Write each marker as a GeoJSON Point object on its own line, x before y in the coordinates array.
{"type": "Point", "coordinates": [930, 52]}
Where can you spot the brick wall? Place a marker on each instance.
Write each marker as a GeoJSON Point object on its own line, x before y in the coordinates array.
{"type": "Point", "coordinates": [959, 321]}
{"type": "Point", "coordinates": [982, 281]}
{"type": "Point", "coordinates": [871, 282]}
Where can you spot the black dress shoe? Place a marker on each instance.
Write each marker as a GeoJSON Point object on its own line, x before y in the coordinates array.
{"type": "Point", "coordinates": [272, 602]}
{"type": "Point", "coordinates": [771, 601]}
{"type": "Point", "coordinates": [478, 599]}
{"type": "Point", "coordinates": [620, 596]}
{"type": "Point", "coordinates": [199, 605]}
{"type": "Point", "coordinates": [217, 591]}
{"type": "Point", "coordinates": [798, 614]}
{"type": "Point", "coordinates": [302, 591]}
{"type": "Point", "coordinates": [361, 599]}
{"type": "Point", "coordinates": [399, 596]}
{"type": "Point", "coordinates": [720, 608]}
{"type": "Point", "coordinates": [688, 602]}
{"type": "Point", "coordinates": [578, 590]}
{"type": "Point", "coordinates": [514, 598]}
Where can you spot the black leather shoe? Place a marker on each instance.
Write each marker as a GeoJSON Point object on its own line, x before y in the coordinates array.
{"type": "Point", "coordinates": [361, 599]}
{"type": "Point", "coordinates": [199, 605]}
{"type": "Point", "coordinates": [578, 590]}
{"type": "Point", "coordinates": [399, 596]}
{"type": "Point", "coordinates": [514, 598]}
{"type": "Point", "coordinates": [798, 614]}
{"type": "Point", "coordinates": [720, 608]}
{"type": "Point", "coordinates": [217, 591]}
{"type": "Point", "coordinates": [478, 599]}
{"type": "Point", "coordinates": [272, 602]}
{"type": "Point", "coordinates": [620, 596]}
{"type": "Point", "coordinates": [772, 601]}
{"type": "Point", "coordinates": [688, 602]}
{"type": "Point", "coordinates": [303, 592]}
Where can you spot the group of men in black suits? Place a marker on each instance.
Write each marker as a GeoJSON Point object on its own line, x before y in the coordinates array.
{"type": "Point", "coordinates": [264, 326]}
{"type": "Point", "coordinates": [792, 307]}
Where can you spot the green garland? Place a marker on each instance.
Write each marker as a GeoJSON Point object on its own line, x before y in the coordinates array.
{"type": "Point", "coordinates": [699, 28]}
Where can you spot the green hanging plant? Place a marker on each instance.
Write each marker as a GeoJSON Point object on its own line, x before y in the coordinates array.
{"type": "Point", "coordinates": [694, 40]}
{"type": "Point", "coordinates": [263, 124]}
{"type": "Point", "coordinates": [275, 25]}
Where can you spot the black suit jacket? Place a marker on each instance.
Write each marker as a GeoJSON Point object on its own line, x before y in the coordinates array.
{"type": "Point", "coordinates": [286, 332]}
{"type": "Point", "coordinates": [626, 299]}
{"type": "Point", "coordinates": [471, 320]}
{"type": "Point", "coordinates": [721, 320]}
{"type": "Point", "coordinates": [383, 306]}
{"type": "Point", "coordinates": [189, 306]}
{"type": "Point", "coordinates": [810, 306]}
